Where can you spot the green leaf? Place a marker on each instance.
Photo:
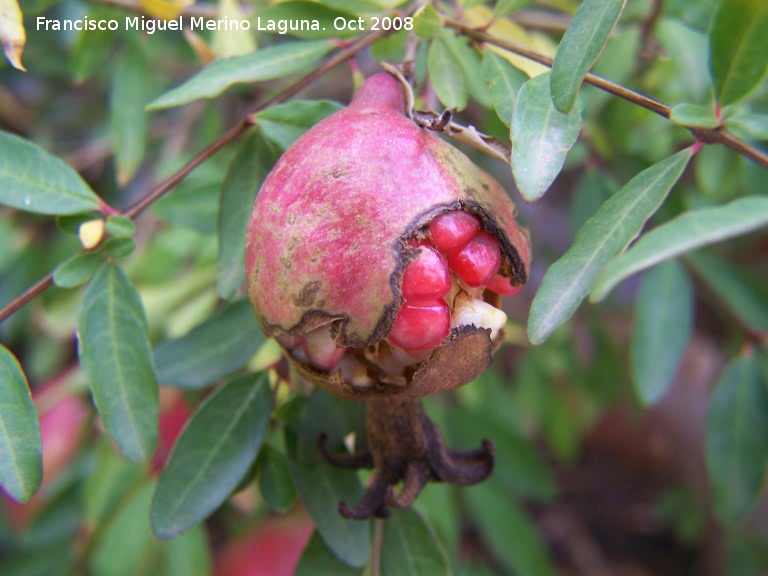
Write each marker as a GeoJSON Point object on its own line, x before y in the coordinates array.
{"type": "Point", "coordinates": [215, 348]}
{"type": "Point", "coordinates": [738, 43]}
{"type": "Point", "coordinates": [736, 439]}
{"type": "Point", "coordinates": [189, 554]}
{"type": "Point", "coordinates": [504, 7]}
{"type": "Point", "coordinates": [119, 247]}
{"type": "Point", "coordinates": [264, 64]}
{"type": "Point", "coordinates": [195, 203]}
{"type": "Point", "coordinates": [507, 530]}
{"type": "Point", "coordinates": [215, 450]}
{"type": "Point", "coordinates": [661, 330]}
{"type": "Point", "coordinates": [21, 461]}
{"type": "Point", "coordinates": [446, 75]}
{"type": "Point", "coordinates": [411, 548]}
{"type": "Point", "coordinates": [77, 270]}
{"type": "Point", "coordinates": [126, 548]}
{"type": "Point", "coordinates": [469, 60]}
{"type": "Point", "coordinates": [33, 180]}
{"type": "Point", "coordinates": [275, 481]}
{"type": "Point", "coordinates": [742, 294]}
{"type": "Point", "coordinates": [691, 230]}
{"type": "Point", "coordinates": [114, 353]}
{"type": "Point", "coordinates": [749, 126]}
{"type": "Point", "coordinates": [427, 22]}
{"type": "Point", "coordinates": [238, 192]}
{"type": "Point", "coordinates": [602, 238]}
{"type": "Point", "coordinates": [318, 560]}
{"type": "Point", "coordinates": [541, 138]}
{"type": "Point", "coordinates": [285, 123]}
{"type": "Point", "coordinates": [321, 488]}
{"type": "Point", "coordinates": [120, 226]}
{"type": "Point", "coordinates": [109, 482]}
{"type": "Point", "coordinates": [518, 463]}
{"type": "Point", "coordinates": [131, 90]}
{"type": "Point", "coordinates": [332, 416]}
{"type": "Point", "coordinates": [504, 81]}
{"type": "Point", "coordinates": [582, 43]}
{"type": "Point", "coordinates": [694, 115]}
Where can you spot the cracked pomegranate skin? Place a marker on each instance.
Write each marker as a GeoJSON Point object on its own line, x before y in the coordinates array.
{"type": "Point", "coordinates": [328, 236]}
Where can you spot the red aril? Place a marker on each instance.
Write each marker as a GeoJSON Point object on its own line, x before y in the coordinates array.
{"type": "Point", "coordinates": [478, 261]}
{"type": "Point", "coordinates": [450, 231]}
{"type": "Point", "coordinates": [427, 276]}
{"type": "Point", "coordinates": [503, 286]}
{"type": "Point", "coordinates": [421, 325]}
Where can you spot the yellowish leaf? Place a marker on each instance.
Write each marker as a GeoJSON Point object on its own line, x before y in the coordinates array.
{"type": "Point", "coordinates": [200, 47]}
{"type": "Point", "coordinates": [227, 43]}
{"type": "Point", "coordinates": [165, 9]}
{"type": "Point", "coordinates": [479, 16]}
{"type": "Point", "coordinates": [12, 33]}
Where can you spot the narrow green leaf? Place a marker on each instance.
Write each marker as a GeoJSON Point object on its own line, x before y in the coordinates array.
{"type": "Point", "coordinates": [110, 482]}
{"type": "Point", "coordinates": [411, 548]}
{"type": "Point", "coordinates": [584, 40]}
{"type": "Point", "coordinates": [694, 115]}
{"type": "Point", "coordinates": [427, 22]}
{"type": "Point", "coordinates": [119, 247]}
{"type": "Point", "coordinates": [238, 192]}
{"type": "Point", "coordinates": [507, 530]}
{"type": "Point", "coordinates": [749, 126]}
{"type": "Point", "coordinates": [738, 43]}
{"type": "Point", "coordinates": [518, 463]}
{"type": "Point", "coordinates": [215, 348]}
{"type": "Point", "coordinates": [446, 75]}
{"type": "Point", "coordinates": [602, 238]}
{"type": "Point", "coordinates": [131, 90]}
{"type": "Point", "coordinates": [504, 7]}
{"type": "Point", "coordinates": [318, 560]}
{"type": "Point", "coordinates": [285, 123]}
{"type": "Point", "coordinates": [661, 330]}
{"type": "Point", "coordinates": [687, 232]}
{"type": "Point", "coordinates": [504, 81]}
{"type": "Point", "coordinates": [264, 64]}
{"type": "Point", "coordinates": [126, 548]}
{"type": "Point", "coordinates": [541, 138]}
{"type": "Point", "coordinates": [120, 226]}
{"type": "Point", "coordinates": [217, 447]}
{"type": "Point", "coordinates": [189, 554]}
{"type": "Point", "coordinates": [77, 270]}
{"type": "Point", "coordinates": [322, 486]}
{"type": "Point", "coordinates": [114, 353]}
{"type": "Point", "coordinates": [194, 204]}
{"type": "Point", "coordinates": [736, 439]}
{"type": "Point", "coordinates": [275, 481]}
{"type": "Point", "coordinates": [469, 61]}
{"type": "Point", "coordinates": [33, 180]}
{"type": "Point", "coordinates": [743, 294]}
{"type": "Point", "coordinates": [21, 463]}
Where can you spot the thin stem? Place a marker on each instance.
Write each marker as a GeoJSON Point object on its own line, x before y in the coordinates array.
{"type": "Point", "coordinates": [706, 135]}
{"type": "Point", "coordinates": [378, 537]}
{"type": "Point", "coordinates": [158, 191]}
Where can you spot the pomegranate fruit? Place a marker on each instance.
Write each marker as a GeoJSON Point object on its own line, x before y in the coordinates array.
{"type": "Point", "coordinates": [376, 255]}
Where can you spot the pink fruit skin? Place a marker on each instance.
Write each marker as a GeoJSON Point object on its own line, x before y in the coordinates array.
{"type": "Point", "coordinates": [271, 549]}
{"type": "Point", "coordinates": [327, 226]}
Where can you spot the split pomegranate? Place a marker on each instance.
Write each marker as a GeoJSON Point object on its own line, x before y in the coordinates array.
{"type": "Point", "coordinates": [372, 256]}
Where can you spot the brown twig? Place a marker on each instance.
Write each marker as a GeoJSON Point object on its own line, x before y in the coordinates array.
{"type": "Point", "coordinates": [707, 135]}
{"type": "Point", "coordinates": [158, 191]}
{"type": "Point", "coordinates": [378, 536]}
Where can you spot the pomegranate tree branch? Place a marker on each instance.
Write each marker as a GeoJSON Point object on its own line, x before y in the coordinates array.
{"type": "Point", "coordinates": [161, 189]}
{"type": "Point", "coordinates": [706, 135]}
